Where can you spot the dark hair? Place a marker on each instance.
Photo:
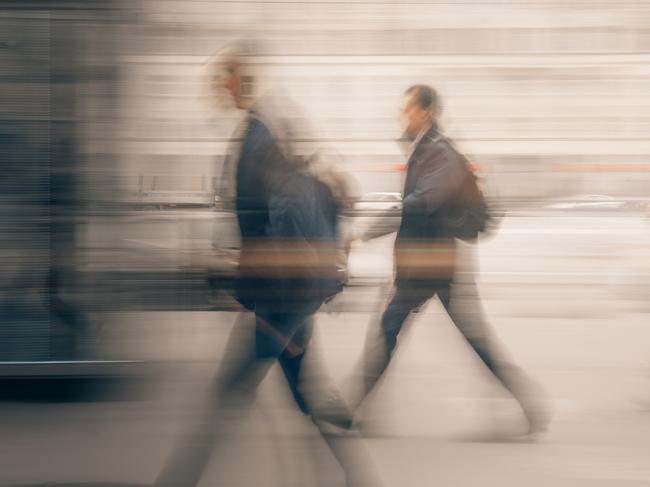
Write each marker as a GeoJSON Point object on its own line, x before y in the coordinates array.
{"type": "Point", "coordinates": [426, 97]}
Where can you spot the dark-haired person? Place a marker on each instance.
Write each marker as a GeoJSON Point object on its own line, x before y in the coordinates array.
{"type": "Point", "coordinates": [427, 258]}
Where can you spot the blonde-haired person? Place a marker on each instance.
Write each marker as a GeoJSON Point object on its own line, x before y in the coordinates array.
{"type": "Point", "coordinates": [280, 283]}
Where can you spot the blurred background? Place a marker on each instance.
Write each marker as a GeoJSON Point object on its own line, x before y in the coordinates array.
{"type": "Point", "coordinates": [117, 243]}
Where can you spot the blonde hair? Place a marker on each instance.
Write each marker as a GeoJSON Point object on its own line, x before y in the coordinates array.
{"type": "Point", "coordinates": [236, 57]}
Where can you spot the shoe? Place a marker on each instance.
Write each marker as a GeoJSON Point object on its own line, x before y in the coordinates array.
{"type": "Point", "coordinates": [539, 420]}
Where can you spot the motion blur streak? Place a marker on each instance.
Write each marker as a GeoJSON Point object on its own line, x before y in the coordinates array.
{"type": "Point", "coordinates": [119, 240]}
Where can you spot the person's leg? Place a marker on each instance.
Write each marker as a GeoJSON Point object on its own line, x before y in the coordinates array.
{"type": "Point", "coordinates": [318, 397]}
{"type": "Point", "coordinates": [292, 362]}
{"type": "Point", "coordinates": [381, 340]}
{"type": "Point", "coordinates": [462, 302]}
{"type": "Point", "coordinates": [245, 366]}
{"type": "Point", "coordinates": [313, 389]}
{"type": "Point", "coordinates": [465, 310]}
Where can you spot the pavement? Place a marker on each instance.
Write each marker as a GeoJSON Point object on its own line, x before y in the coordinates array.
{"type": "Point", "coordinates": [567, 296]}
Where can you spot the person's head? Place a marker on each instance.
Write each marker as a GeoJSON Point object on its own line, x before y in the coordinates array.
{"type": "Point", "coordinates": [420, 108]}
{"type": "Point", "coordinates": [231, 75]}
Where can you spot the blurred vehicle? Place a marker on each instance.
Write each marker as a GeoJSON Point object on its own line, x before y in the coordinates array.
{"type": "Point", "coordinates": [379, 201]}
{"type": "Point", "coordinates": [644, 206]}
{"type": "Point", "coordinates": [220, 203]}
{"type": "Point", "coordinates": [588, 202]}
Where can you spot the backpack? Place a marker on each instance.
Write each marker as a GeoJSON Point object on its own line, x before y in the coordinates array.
{"type": "Point", "coordinates": [304, 215]}
{"type": "Point", "coordinates": [468, 214]}
{"type": "Point", "coordinates": [304, 201]}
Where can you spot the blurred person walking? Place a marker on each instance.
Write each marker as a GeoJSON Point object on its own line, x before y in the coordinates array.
{"type": "Point", "coordinates": [288, 267]}
{"type": "Point", "coordinates": [429, 259]}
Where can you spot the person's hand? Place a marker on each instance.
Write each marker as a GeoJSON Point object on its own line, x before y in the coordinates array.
{"type": "Point", "coordinates": [353, 237]}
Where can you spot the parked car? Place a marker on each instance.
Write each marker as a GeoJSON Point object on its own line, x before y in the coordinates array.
{"type": "Point", "coordinates": [379, 201]}
{"type": "Point", "coordinates": [588, 202]}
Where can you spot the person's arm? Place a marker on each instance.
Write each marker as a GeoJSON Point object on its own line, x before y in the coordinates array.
{"type": "Point", "coordinates": [253, 179]}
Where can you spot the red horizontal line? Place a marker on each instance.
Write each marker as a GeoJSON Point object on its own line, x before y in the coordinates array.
{"type": "Point", "coordinates": [613, 167]}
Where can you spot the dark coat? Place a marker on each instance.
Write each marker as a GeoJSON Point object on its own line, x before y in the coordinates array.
{"type": "Point", "coordinates": [287, 221]}
{"type": "Point", "coordinates": [425, 246]}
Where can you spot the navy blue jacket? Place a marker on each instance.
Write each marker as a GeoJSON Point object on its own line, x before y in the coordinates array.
{"type": "Point", "coordinates": [287, 220]}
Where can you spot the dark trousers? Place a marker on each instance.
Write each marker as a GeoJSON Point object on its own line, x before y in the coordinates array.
{"type": "Point", "coordinates": [277, 336]}
{"type": "Point", "coordinates": [461, 301]}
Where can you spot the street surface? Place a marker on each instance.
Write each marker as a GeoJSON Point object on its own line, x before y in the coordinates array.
{"type": "Point", "coordinates": [569, 295]}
